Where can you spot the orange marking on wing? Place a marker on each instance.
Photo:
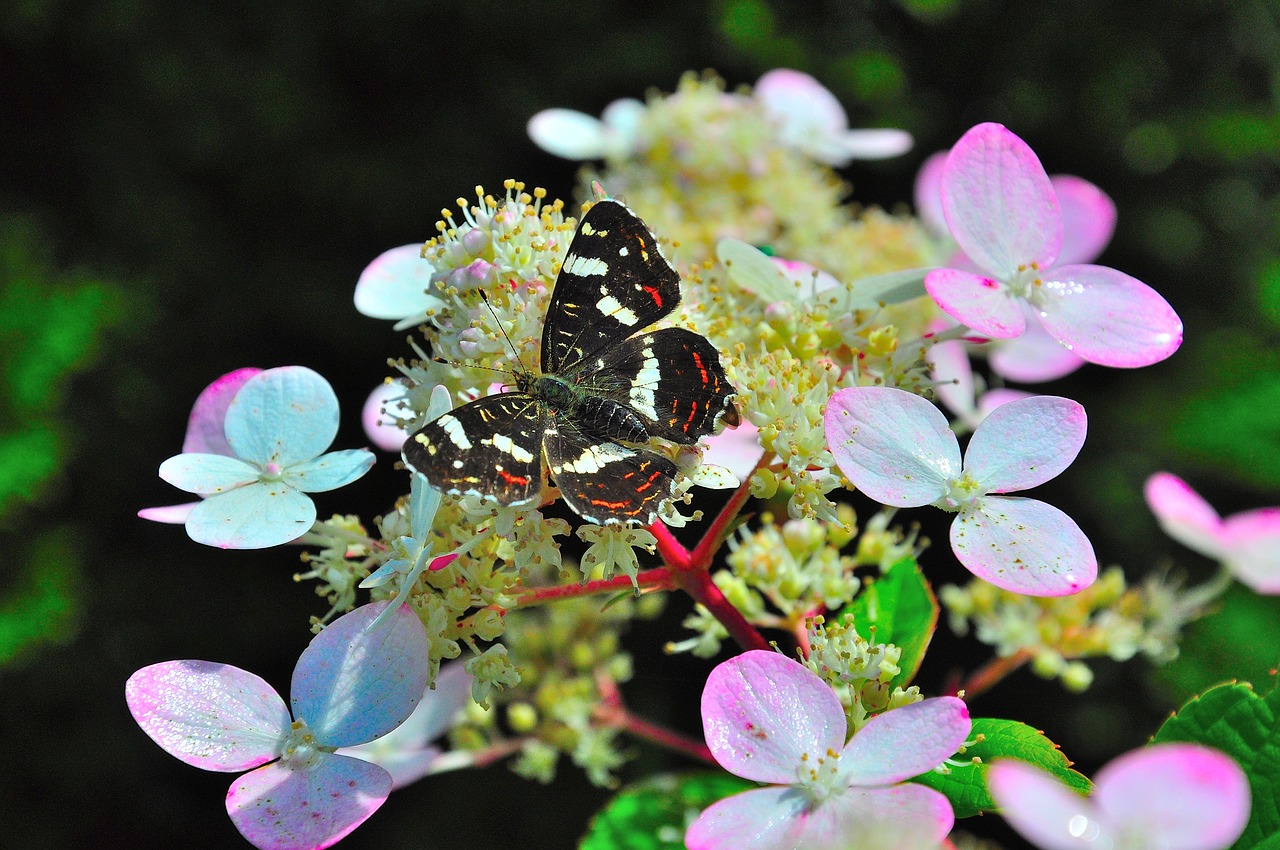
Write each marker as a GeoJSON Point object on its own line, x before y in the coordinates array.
{"type": "Point", "coordinates": [604, 504]}
{"type": "Point", "coordinates": [513, 479]}
{"type": "Point", "coordinates": [655, 295]}
{"type": "Point", "coordinates": [697, 360]}
{"type": "Point", "coordinates": [693, 411]}
{"type": "Point", "coordinates": [646, 485]}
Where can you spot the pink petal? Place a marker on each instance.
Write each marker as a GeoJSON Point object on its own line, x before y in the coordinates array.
{"type": "Point", "coordinates": [982, 303]}
{"type": "Point", "coordinates": [1203, 801]}
{"type": "Point", "coordinates": [1025, 443]}
{"type": "Point", "coordinates": [204, 426]}
{"type": "Point", "coordinates": [169, 514]}
{"type": "Point", "coordinates": [893, 445]}
{"type": "Point", "coordinates": [928, 195]}
{"type": "Point", "coordinates": [992, 399]}
{"type": "Point", "coordinates": [1046, 813]}
{"type": "Point", "coordinates": [762, 819]}
{"type": "Point", "coordinates": [354, 683]}
{"type": "Point", "coordinates": [1033, 357]}
{"type": "Point", "coordinates": [736, 449]}
{"type": "Point", "coordinates": [1088, 219]}
{"type": "Point", "coordinates": [905, 742]}
{"type": "Point", "coordinates": [954, 375]}
{"type": "Point", "coordinates": [1025, 546]}
{"type": "Point", "coordinates": [999, 203]}
{"type": "Point", "coordinates": [280, 808]}
{"type": "Point", "coordinates": [213, 716]}
{"type": "Point", "coordinates": [1253, 549]}
{"type": "Point", "coordinates": [762, 713]}
{"type": "Point", "coordinates": [1107, 317]}
{"type": "Point", "coordinates": [1184, 515]}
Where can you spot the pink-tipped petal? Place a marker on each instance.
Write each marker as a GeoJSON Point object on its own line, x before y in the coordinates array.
{"type": "Point", "coordinates": [1025, 443]}
{"type": "Point", "coordinates": [1025, 546]}
{"type": "Point", "coordinates": [1088, 218]}
{"type": "Point", "coordinates": [992, 399]}
{"type": "Point", "coordinates": [1252, 542]}
{"type": "Point", "coordinates": [1203, 801]}
{"type": "Point", "coordinates": [982, 303]}
{"type": "Point", "coordinates": [762, 713]}
{"type": "Point", "coordinates": [282, 416]}
{"type": "Point", "coordinates": [905, 742]}
{"type": "Point", "coordinates": [205, 433]}
{"type": "Point", "coordinates": [762, 819]}
{"type": "Point", "coordinates": [212, 716]}
{"type": "Point", "coordinates": [1107, 317]}
{"type": "Point", "coordinates": [355, 682]}
{"type": "Point", "coordinates": [928, 195]}
{"type": "Point", "coordinates": [396, 284]}
{"type": "Point", "coordinates": [281, 808]}
{"type": "Point", "coordinates": [255, 516]}
{"type": "Point", "coordinates": [954, 375]}
{"type": "Point", "coordinates": [1185, 515]}
{"type": "Point", "coordinates": [168, 514]}
{"type": "Point", "coordinates": [1046, 813]}
{"type": "Point", "coordinates": [893, 445]}
{"type": "Point", "coordinates": [1034, 357]}
{"type": "Point", "coordinates": [804, 105]}
{"type": "Point", "coordinates": [569, 134]}
{"type": "Point", "coordinates": [999, 203]}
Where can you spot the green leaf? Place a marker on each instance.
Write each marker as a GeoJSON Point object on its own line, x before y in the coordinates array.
{"type": "Point", "coordinates": [898, 608]}
{"type": "Point", "coordinates": [653, 814]}
{"type": "Point", "coordinates": [1234, 719]}
{"type": "Point", "coordinates": [1224, 645]}
{"type": "Point", "coordinates": [966, 786]}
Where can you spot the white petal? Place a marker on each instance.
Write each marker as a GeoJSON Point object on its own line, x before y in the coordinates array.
{"type": "Point", "coordinates": [1025, 546]}
{"type": "Point", "coordinates": [1025, 443]}
{"type": "Point", "coordinates": [255, 516]}
{"type": "Point", "coordinates": [893, 445]}
{"type": "Point", "coordinates": [396, 284]}
{"type": "Point", "coordinates": [763, 819]}
{"type": "Point", "coordinates": [872, 143]}
{"type": "Point", "coordinates": [207, 474]}
{"type": "Point", "coordinates": [569, 134]}
{"type": "Point", "coordinates": [905, 742]}
{"type": "Point", "coordinates": [1046, 813]}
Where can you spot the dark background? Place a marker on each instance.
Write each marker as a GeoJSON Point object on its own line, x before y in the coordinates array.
{"type": "Point", "coordinates": [220, 174]}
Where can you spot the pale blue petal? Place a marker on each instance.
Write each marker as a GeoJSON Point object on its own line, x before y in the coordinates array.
{"type": "Point", "coordinates": [252, 517]}
{"type": "Point", "coordinates": [397, 284]}
{"type": "Point", "coordinates": [329, 471]}
{"type": "Point", "coordinates": [207, 475]}
{"type": "Point", "coordinates": [424, 501]}
{"type": "Point", "coordinates": [282, 416]}
{"type": "Point", "coordinates": [354, 683]}
{"type": "Point", "coordinates": [383, 574]}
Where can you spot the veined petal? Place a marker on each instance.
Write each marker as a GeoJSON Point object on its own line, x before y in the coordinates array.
{"type": "Point", "coordinates": [1253, 549]}
{"type": "Point", "coordinates": [761, 819]}
{"type": "Point", "coordinates": [999, 203]}
{"type": "Point", "coordinates": [205, 434]}
{"type": "Point", "coordinates": [762, 713]}
{"type": "Point", "coordinates": [1088, 218]}
{"type": "Point", "coordinates": [1203, 802]}
{"type": "Point", "coordinates": [282, 416]}
{"type": "Point", "coordinates": [255, 516]}
{"type": "Point", "coordinates": [1033, 357]}
{"type": "Point", "coordinates": [1046, 812]}
{"type": "Point", "coordinates": [893, 445]}
{"type": "Point", "coordinates": [396, 284]}
{"type": "Point", "coordinates": [569, 134]}
{"type": "Point", "coordinates": [329, 471]}
{"type": "Point", "coordinates": [1107, 317]}
{"type": "Point", "coordinates": [212, 716]}
{"type": "Point", "coordinates": [982, 303]}
{"type": "Point", "coordinates": [928, 195]}
{"type": "Point", "coordinates": [1025, 546]}
{"type": "Point", "coordinates": [280, 808]}
{"type": "Point", "coordinates": [1185, 515]}
{"type": "Point", "coordinates": [905, 742]}
{"type": "Point", "coordinates": [1025, 443]}
{"type": "Point", "coordinates": [354, 683]}
{"type": "Point", "coordinates": [207, 474]}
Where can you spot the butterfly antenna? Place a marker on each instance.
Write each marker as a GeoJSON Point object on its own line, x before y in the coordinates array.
{"type": "Point", "coordinates": [503, 331]}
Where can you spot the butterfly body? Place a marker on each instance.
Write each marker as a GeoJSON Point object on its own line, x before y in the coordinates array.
{"type": "Point", "coordinates": [607, 387]}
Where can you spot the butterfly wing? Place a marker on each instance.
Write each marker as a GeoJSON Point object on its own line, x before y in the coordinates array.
{"type": "Point", "coordinates": [604, 482]}
{"type": "Point", "coordinates": [491, 447]}
{"type": "Point", "coordinates": [613, 282]}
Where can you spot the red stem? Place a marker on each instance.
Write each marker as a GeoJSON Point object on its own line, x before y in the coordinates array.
{"type": "Point", "coordinates": [612, 712]}
{"type": "Point", "coordinates": [990, 674]}
{"type": "Point", "coordinates": [659, 578]}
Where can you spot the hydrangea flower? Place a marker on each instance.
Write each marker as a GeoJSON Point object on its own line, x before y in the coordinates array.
{"type": "Point", "coordinates": [276, 428]}
{"type": "Point", "coordinates": [205, 434]}
{"type": "Point", "coordinates": [1006, 217]}
{"type": "Point", "coordinates": [1161, 797]}
{"type": "Point", "coordinates": [397, 285]}
{"type": "Point", "coordinates": [896, 447]}
{"type": "Point", "coordinates": [812, 120]}
{"type": "Point", "coordinates": [352, 684]}
{"type": "Point", "coordinates": [575, 135]}
{"type": "Point", "coordinates": [770, 719]}
{"type": "Point", "coordinates": [1247, 543]}
{"type": "Point", "coordinates": [407, 752]}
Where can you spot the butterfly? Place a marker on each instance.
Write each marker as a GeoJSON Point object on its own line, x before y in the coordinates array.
{"type": "Point", "coordinates": [606, 388]}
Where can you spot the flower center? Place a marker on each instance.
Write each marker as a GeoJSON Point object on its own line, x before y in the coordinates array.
{"type": "Point", "coordinates": [1025, 281]}
{"type": "Point", "coordinates": [301, 750]}
{"type": "Point", "coordinates": [271, 471]}
{"type": "Point", "coordinates": [820, 775]}
{"type": "Point", "coordinates": [961, 493]}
